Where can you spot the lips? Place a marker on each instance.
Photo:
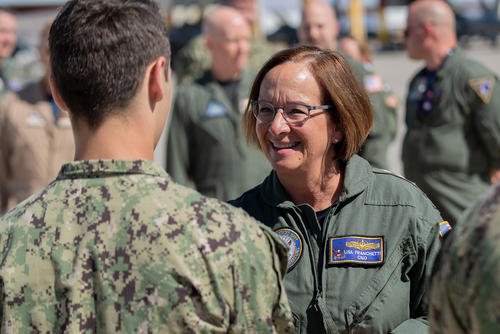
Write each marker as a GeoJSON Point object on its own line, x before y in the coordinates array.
{"type": "Point", "coordinates": [279, 146]}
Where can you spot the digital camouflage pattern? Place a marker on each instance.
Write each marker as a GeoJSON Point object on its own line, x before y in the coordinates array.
{"type": "Point", "coordinates": [465, 294]}
{"type": "Point", "coordinates": [116, 246]}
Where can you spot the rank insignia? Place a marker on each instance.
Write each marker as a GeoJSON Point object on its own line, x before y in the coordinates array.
{"type": "Point", "coordinates": [483, 88]}
{"type": "Point", "coordinates": [294, 243]}
{"type": "Point", "coordinates": [444, 227]}
{"type": "Point", "coordinates": [353, 249]}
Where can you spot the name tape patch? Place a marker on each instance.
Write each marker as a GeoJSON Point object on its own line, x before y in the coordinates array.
{"type": "Point", "coordinates": [294, 243]}
{"type": "Point", "coordinates": [354, 249]}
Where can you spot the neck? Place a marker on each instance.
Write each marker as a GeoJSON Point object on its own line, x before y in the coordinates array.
{"type": "Point", "coordinates": [114, 139]}
{"type": "Point", "coordinates": [319, 190]}
{"type": "Point", "coordinates": [435, 59]}
{"type": "Point", "coordinates": [223, 74]}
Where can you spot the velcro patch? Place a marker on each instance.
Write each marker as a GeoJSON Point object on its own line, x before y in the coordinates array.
{"type": "Point", "coordinates": [354, 249]}
{"type": "Point", "coordinates": [294, 242]}
{"type": "Point", "coordinates": [215, 109]}
{"type": "Point", "coordinates": [483, 88]}
{"type": "Point", "coordinates": [444, 227]}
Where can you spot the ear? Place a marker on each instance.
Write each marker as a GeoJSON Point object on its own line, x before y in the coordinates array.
{"type": "Point", "coordinates": [56, 96]}
{"type": "Point", "coordinates": [208, 42]}
{"type": "Point", "coordinates": [157, 77]}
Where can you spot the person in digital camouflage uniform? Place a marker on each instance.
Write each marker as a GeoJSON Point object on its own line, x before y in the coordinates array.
{"type": "Point", "coordinates": [113, 245]}
{"type": "Point", "coordinates": [193, 59]}
{"type": "Point", "coordinates": [319, 27]}
{"type": "Point", "coordinates": [465, 295]}
{"type": "Point", "coordinates": [451, 149]}
{"type": "Point", "coordinates": [205, 146]}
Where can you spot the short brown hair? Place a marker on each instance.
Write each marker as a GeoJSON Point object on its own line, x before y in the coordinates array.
{"type": "Point", "coordinates": [352, 110]}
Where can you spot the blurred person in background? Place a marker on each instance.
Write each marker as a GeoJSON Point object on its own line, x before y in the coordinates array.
{"type": "Point", "coordinates": [113, 245]}
{"type": "Point", "coordinates": [205, 146]}
{"type": "Point", "coordinates": [8, 40]}
{"type": "Point", "coordinates": [361, 51]}
{"type": "Point", "coordinates": [362, 241]}
{"type": "Point", "coordinates": [193, 59]}
{"type": "Point", "coordinates": [36, 138]}
{"type": "Point", "coordinates": [451, 149]}
{"type": "Point", "coordinates": [319, 27]}
{"type": "Point", "coordinates": [465, 291]}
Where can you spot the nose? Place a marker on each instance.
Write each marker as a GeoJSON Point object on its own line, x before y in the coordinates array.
{"type": "Point", "coordinates": [279, 124]}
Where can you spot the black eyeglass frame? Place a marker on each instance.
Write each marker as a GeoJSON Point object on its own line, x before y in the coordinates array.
{"type": "Point", "coordinates": [255, 107]}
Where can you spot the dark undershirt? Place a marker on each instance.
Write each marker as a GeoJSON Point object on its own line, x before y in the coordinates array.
{"type": "Point", "coordinates": [231, 90]}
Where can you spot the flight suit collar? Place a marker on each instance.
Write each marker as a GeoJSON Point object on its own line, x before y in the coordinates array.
{"type": "Point", "coordinates": [103, 168]}
{"type": "Point", "coordinates": [357, 176]}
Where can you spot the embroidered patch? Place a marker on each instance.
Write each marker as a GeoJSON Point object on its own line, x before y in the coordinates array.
{"type": "Point", "coordinates": [294, 242]}
{"type": "Point", "coordinates": [215, 109]}
{"type": "Point", "coordinates": [444, 227]}
{"type": "Point", "coordinates": [356, 249]}
{"type": "Point", "coordinates": [483, 88]}
{"type": "Point", "coordinates": [373, 83]}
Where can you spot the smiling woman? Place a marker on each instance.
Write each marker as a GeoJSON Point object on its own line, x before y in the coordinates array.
{"type": "Point", "coordinates": [362, 241]}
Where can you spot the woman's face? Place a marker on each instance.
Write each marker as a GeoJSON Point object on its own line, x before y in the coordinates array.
{"type": "Point", "coordinates": [295, 148]}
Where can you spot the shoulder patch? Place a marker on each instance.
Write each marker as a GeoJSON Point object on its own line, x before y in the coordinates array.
{"type": "Point", "coordinates": [483, 87]}
{"type": "Point", "coordinates": [373, 83]}
{"type": "Point", "coordinates": [294, 243]}
{"type": "Point", "coordinates": [444, 227]}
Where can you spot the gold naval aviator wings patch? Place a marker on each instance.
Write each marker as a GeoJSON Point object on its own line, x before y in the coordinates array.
{"type": "Point", "coordinates": [362, 245]}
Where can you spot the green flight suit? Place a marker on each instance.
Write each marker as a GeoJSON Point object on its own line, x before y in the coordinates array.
{"type": "Point", "coordinates": [384, 127]}
{"type": "Point", "coordinates": [206, 148]}
{"type": "Point", "coordinates": [466, 289]}
{"type": "Point", "coordinates": [449, 150]}
{"type": "Point", "coordinates": [376, 295]}
{"type": "Point", "coordinates": [194, 59]}
{"type": "Point", "coordinates": [114, 246]}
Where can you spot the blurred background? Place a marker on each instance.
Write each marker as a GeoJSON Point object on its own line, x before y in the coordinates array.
{"type": "Point", "coordinates": [379, 22]}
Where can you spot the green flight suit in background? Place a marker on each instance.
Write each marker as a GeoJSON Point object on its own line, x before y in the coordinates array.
{"type": "Point", "coordinates": [206, 148]}
{"type": "Point", "coordinates": [453, 133]}
{"type": "Point", "coordinates": [384, 127]}
{"type": "Point", "coordinates": [384, 221]}
{"type": "Point", "coordinates": [115, 246]}
{"type": "Point", "coordinates": [465, 294]}
{"type": "Point", "coordinates": [193, 60]}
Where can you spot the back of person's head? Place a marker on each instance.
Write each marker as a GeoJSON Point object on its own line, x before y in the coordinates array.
{"type": "Point", "coordinates": [352, 109]}
{"type": "Point", "coordinates": [100, 50]}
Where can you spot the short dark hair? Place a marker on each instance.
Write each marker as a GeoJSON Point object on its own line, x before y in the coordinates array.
{"type": "Point", "coordinates": [100, 50]}
{"type": "Point", "coordinates": [352, 110]}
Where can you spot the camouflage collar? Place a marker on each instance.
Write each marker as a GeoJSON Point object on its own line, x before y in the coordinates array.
{"type": "Point", "coordinates": [103, 168]}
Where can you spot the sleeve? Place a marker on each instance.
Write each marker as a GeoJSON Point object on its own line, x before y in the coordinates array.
{"type": "Point", "coordinates": [261, 301]}
{"type": "Point", "coordinates": [177, 154]}
{"type": "Point", "coordinates": [485, 106]}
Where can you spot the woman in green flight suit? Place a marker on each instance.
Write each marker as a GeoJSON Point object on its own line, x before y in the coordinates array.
{"type": "Point", "coordinates": [362, 241]}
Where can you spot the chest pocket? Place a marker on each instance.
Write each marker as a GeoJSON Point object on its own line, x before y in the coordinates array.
{"type": "Point", "coordinates": [218, 124]}
{"type": "Point", "coordinates": [384, 301]}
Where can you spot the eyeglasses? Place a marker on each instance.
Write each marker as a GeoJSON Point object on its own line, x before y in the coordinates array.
{"type": "Point", "coordinates": [294, 113]}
